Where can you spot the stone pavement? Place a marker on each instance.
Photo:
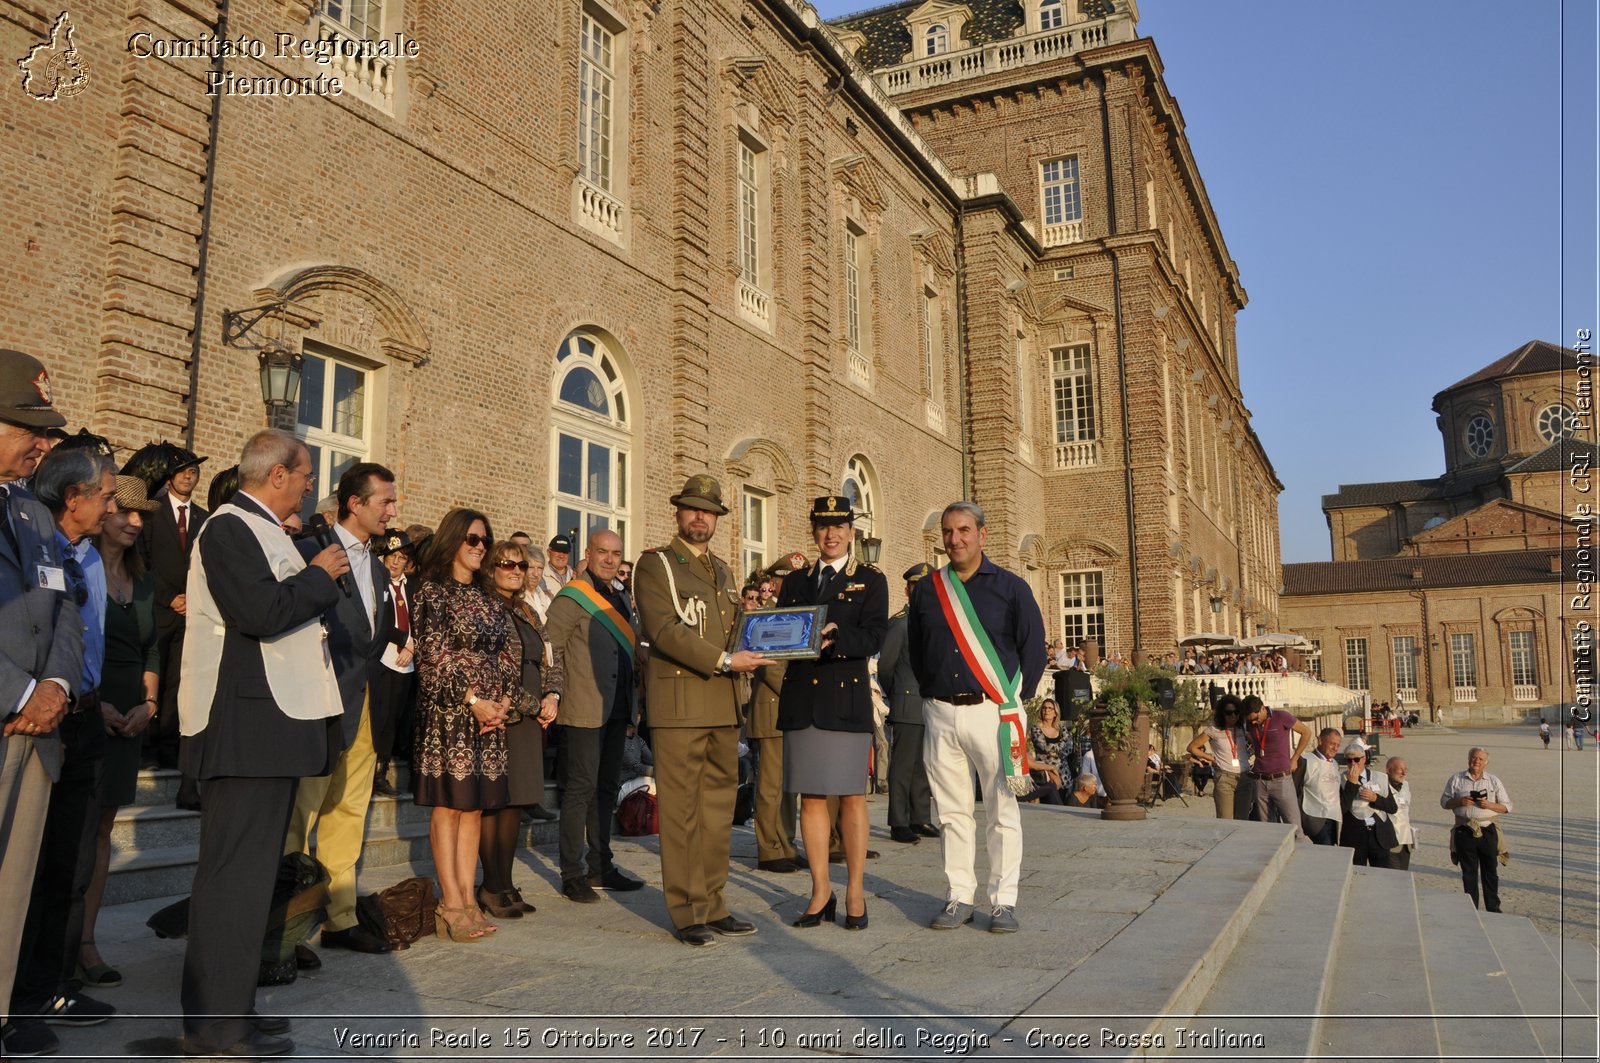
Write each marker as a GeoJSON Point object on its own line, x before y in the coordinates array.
{"type": "Point", "coordinates": [609, 981]}
{"type": "Point", "coordinates": [1554, 874]}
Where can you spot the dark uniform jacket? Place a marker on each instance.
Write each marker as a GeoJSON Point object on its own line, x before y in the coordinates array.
{"type": "Point", "coordinates": [895, 676]}
{"type": "Point", "coordinates": [834, 691]}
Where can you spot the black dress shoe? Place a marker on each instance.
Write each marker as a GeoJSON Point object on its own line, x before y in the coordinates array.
{"type": "Point", "coordinates": [820, 916]}
{"type": "Point", "coordinates": [382, 787]}
{"type": "Point", "coordinates": [356, 938]}
{"type": "Point", "coordinates": [732, 926]}
{"type": "Point", "coordinates": [253, 1043]}
{"type": "Point", "coordinates": [271, 1025]}
{"type": "Point", "coordinates": [305, 959]}
{"type": "Point", "coordinates": [28, 1037]}
{"type": "Point", "coordinates": [904, 834]}
{"type": "Point", "coordinates": [615, 881]}
{"type": "Point", "coordinates": [927, 830]}
{"type": "Point", "coordinates": [699, 935]}
{"type": "Point", "coordinates": [577, 889]}
{"type": "Point", "coordinates": [539, 812]}
{"type": "Point", "coordinates": [783, 865]}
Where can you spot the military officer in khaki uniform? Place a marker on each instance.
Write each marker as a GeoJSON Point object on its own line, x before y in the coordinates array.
{"type": "Point", "coordinates": [687, 603]}
{"type": "Point", "coordinates": [775, 809]}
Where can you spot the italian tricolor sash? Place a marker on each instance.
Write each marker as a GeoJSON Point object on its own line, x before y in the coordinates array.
{"type": "Point", "coordinates": [595, 604]}
{"type": "Point", "coordinates": [978, 651]}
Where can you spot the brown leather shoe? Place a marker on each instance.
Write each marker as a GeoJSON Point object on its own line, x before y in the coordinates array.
{"type": "Point", "coordinates": [783, 865]}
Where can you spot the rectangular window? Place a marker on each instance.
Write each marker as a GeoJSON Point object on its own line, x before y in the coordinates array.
{"type": "Point", "coordinates": [755, 531]}
{"type": "Point", "coordinates": [1050, 14]}
{"type": "Point", "coordinates": [1024, 398]}
{"type": "Point", "coordinates": [1083, 614]}
{"type": "Point", "coordinates": [333, 419]}
{"type": "Point", "coordinates": [1355, 664]}
{"type": "Point", "coordinates": [363, 18]}
{"type": "Point", "coordinates": [1073, 394]}
{"type": "Point", "coordinates": [1314, 659]}
{"type": "Point", "coordinates": [931, 380]}
{"type": "Point", "coordinates": [749, 215]}
{"type": "Point", "coordinates": [596, 86]}
{"type": "Point", "coordinates": [852, 288]}
{"type": "Point", "coordinates": [1464, 659]}
{"type": "Point", "coordinates": [1063, 201]}
{"type": "Point", "coordinates": [1524, 668]}
{"type": "Point", "coordinates": [1405, 666]}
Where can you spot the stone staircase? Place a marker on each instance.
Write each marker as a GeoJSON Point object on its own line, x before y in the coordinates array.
{"type": "Point", "coordinates": [154, 844]}
{"type": "Point", "coordinates": [1269, 950]}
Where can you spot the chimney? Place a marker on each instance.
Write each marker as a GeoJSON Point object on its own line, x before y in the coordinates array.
{"type": "Point", "coordinates": [1555, 563]}
{"type": "Point", "coordinates": [1416, 573]}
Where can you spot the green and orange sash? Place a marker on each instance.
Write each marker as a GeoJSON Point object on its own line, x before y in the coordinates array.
{"type": "Point", "coordinates": [594, 603]}
{"type": "Point", "coordinates": [978, 651]}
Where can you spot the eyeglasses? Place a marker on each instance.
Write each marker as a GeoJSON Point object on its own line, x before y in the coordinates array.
{"type": "Point", "coordinates": [505, 562]}
{"type": "Point", "coordinates": [474, 539]}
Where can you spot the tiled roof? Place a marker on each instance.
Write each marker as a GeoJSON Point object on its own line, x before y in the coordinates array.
{"type": "Point", "coordinates": [1438, 570]}
{"type": "Point", "coordinates": [1383, 494]}
{"type": "Point", "coordinates": [1558, 457]}
{"type": "Point", "coordinates": [1535, 356]}
{"type": "Point", "coordinates": [888, 39]}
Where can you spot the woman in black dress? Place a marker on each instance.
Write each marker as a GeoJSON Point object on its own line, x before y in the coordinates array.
{"type": "Point", "coordinates": [128, 682]}
{"type": "Point", "coordinates": [541, 678]}
{"type": "Point", "coordinates": [469, 666]}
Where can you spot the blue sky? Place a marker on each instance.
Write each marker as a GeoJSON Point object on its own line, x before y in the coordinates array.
{"type": "Point", "coordinates": [1389, 180]}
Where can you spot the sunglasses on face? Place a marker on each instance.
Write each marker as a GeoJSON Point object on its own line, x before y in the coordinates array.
{"type": "Point", "coordinates": [507, 563]}
{"type": "Point", "coordinates": [474, 539]}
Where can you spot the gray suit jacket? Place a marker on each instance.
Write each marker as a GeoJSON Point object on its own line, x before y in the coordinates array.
{"type": "Point", "coordinates": [899, 683]}
{"type": "Point", "coordinates": [41, 631]}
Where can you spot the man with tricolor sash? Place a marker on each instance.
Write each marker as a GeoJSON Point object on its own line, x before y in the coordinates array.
{"type": "Point", "coordinates": [591, 625]}
{"type": "Point", "coordinates": [978, 649]}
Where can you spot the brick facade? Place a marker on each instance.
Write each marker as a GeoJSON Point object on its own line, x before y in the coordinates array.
{"type": "Point", "coordinates": [440, 233]}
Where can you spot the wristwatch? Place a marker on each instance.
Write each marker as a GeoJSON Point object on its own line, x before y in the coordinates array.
{"type": "Point", "coordinates": [472, 699]}
{"type": "Point", "coordinates": [724, 663]}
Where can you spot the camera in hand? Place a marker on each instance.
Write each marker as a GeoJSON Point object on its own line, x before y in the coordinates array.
{"type": "Point", "coordinates": [1479, 795]}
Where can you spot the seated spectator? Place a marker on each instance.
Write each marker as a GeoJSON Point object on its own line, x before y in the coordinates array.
{"type": "Point", "coordinates": [1085, 792]}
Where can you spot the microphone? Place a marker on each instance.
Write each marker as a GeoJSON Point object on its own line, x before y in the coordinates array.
{"type": "Point", "coordinates": [319, 527]}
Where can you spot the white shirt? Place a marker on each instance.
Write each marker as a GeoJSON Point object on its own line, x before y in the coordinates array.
{"type": "Point", "coordinates": [1402, 813]}
{"type": "Point", "coordinates": [1461, 784]}
{"type": "Point", "coordinates": [360, 571]}
{"type": "Point", "coordinates": [1321, 795]}
{"type": "Point", "coordinates": [550, 585]}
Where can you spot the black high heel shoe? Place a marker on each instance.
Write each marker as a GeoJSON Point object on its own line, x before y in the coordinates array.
{"type": "Point", "coordinates": [825, 913]}
{"type": "Point", "coordinates": [856, 922]}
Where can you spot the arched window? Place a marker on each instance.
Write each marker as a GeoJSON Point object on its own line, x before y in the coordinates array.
{"type": "Point", "coordinates": [938, 39]}
{"type": "Point", "coordinates": [591, 441]}
{"type": "Point", "coordinates": [1051, 14]}
{"type": "Point", "coordinates": [861, 488]}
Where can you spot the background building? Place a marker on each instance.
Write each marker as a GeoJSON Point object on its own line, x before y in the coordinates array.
{"type": "Point", "coordinates": [929, 251]}
{"type": "Point", "coordinates": [1457, 592]}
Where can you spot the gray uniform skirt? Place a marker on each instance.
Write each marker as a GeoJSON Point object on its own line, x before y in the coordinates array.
{"type": "Point", "coordinates": [825, 762]}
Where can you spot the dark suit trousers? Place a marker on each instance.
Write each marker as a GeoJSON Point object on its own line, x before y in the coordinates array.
{"type": "Point", "coordinates": [910, 797]}
{"type": "Point", "coordinates": [43, 963]}
{"type": "Point", "coordinates": [1479, 859]}
{"type": "Point", "coordinates": [394, 704]}
{"type": "Point", "coordinates": [1361, 838]}
{"type": "Point", "coordinates": [591, 766]}
{"type": "Point", "coordinates": [243, 824]}
{"type": "Point", "coordinates": [161, 739]}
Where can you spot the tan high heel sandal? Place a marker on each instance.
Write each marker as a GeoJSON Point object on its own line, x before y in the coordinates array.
{"type": "Point", "coordinates": [457, 924]}
{"type": "Point", "coordinates": [481, 921]}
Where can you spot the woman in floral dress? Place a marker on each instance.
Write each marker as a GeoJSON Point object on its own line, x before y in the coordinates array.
{"type": "Point", "coordinates": [469, 666]}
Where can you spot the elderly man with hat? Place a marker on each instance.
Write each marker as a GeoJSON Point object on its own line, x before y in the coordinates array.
{"type": "Point", "coordinates": [41, 645]}
{"type": "Point", "coordinates": [557, 571]}
{"type": "Point", "coordinates": [1365, 804]}
{"type": "Point", "coordinates": [687, 601]}
{"type": "Point", "coordinates": [167, 542]}
{"type": "Point", "coordinates": [910, 797]}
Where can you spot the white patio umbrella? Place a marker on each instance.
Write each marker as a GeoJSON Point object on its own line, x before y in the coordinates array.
{"type": "Point", "coordinates": [1205, 638]}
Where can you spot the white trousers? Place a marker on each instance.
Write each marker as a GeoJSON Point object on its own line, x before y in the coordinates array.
{"type": "Point", "coordinates": [957, 741]}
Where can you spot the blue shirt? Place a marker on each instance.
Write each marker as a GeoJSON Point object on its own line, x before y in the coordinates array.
{"type": "Point", "coordinates": [1006, 609]}
{"type": "Point", "coordinates": [94, 608]}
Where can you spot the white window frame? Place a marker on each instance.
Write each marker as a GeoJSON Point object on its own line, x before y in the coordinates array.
{"type": "Point", "coordinates": [1314, 659]}
{"type": "Point", "coordinates": [858, 313]}
{"type": "Point", "coordinates": [860, 485]}
{"type": "Point", "coordinates": [1403, 653]}
{"type": "Point", "coordinates": [748, 178]}
{"type": "Point", "coordinates": [1072, 403]}
{"type": "Point", "coordinates": [356, 16]}
{"type": "Point", "coordinates": [1524, 659]}
{"type": "Point", "coordinates": [752, 207]}
{"type": "Point", "coordinates": [598, 47]}
{"type": "Point", "coordinates": [1083, 606]}
{"type": "Point", "coordinates": [1024, 399]}
{"type": "Point", "coordinates": [1052, 14]}
{"type": "Point", "coordinates": [1357, 672]}
{"type": "Point", "coordinates": [1061, 200]}
{"type": "Point", "coordinates": [322, 436]}
{"type": "Point", "coordinates": [589, 351]}
{"type": "Point", "coordinates": [756, 516]}
{"type": "Point", "coordinates": [1463, 659]}
{"type": "Point", "coordinates": [936, 40]}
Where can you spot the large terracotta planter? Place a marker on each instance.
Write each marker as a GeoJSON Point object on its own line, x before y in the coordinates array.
{"type": "Point", "coordinates": [1121, 771]}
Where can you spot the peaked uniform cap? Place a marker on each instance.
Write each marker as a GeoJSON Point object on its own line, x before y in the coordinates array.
{"type": "Point", "coordinates": [831, 509]}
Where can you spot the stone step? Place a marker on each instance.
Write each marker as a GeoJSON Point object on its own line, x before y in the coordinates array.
{"type": "Point", "coordinates": [1285, 955]}
{"type": "Point", "coordinates": [1377, 991]}
{"type": "Point", "coordinates": [1581, 964]}
{"type": "Point", "coordinates": [1167, 959]}
{"type": "Point", "coordinates": [155, 786]}
{"type": "Point", "coordinates": [1546, 995]}
{"type": "Point", "coordinates": [1481, 1017]}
